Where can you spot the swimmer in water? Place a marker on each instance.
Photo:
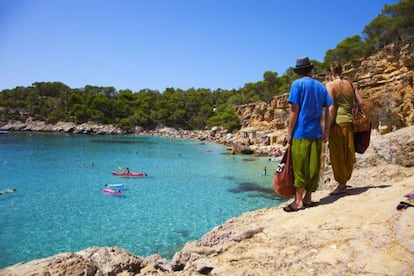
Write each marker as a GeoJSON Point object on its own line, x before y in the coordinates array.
{"type": "Point", "coordinates": [8, 190]}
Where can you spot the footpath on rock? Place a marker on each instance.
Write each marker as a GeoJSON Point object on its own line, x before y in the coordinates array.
{"type": "Point", "coordinates": [360, 233]}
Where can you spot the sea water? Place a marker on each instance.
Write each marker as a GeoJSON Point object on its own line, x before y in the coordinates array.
{"type": "Point", "coordinates": [59, 204]}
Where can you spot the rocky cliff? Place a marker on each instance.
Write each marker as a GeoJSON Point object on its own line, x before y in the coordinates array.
{"type": "Point", "coordinates": [384, 79]}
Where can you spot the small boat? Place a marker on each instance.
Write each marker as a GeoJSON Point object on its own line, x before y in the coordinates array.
{"type": "Point", "coordinates": [115, 186]}
{"type": "Point", "coordinates": [113, 192]}
{"type": "Point", "coordinates": [130, 174]}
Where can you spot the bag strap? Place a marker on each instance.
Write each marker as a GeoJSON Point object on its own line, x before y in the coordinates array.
{"type": "Point", "coordinates": [285, 155]}
{"type": "Point", "coordinates": [289, 156]}
{"type": "Point", "coordinates": [356, 102]}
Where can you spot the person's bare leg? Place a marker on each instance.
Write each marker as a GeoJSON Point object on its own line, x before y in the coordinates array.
{"type": "Point", "coordinates": [297, 204]}
{"type": "Point", "coordinates": [307, 200]}
{"type": "Point", "coordinates": [299, 198]}
{"type": "Point", "coordinates": [339, 189]}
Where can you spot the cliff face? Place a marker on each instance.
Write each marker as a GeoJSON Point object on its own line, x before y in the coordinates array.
{"type": "Point", "coordinates": [385, 80]}
{"type": "Point", "coordinates": [265, 116]}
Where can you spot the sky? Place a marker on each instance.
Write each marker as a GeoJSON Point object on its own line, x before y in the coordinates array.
{"type": "Point", "coordinates": [159, 44]}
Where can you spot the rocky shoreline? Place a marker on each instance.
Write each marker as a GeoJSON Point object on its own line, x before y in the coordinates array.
{"type": "Point", "coordinates": [61, 127]}
{"type": "Point", "coordinates": [360, 233]}
{"type": "Point", "coordinates": [235, 143]}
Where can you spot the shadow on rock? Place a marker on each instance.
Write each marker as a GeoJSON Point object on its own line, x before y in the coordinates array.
{"type": "Point", "coordinates": [349, 192]}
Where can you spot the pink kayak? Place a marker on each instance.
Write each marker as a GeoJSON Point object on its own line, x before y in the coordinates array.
{"type": "Point", "coordinates": [114, 192]}
{"type": "Point", "coordinates": [130, 174]}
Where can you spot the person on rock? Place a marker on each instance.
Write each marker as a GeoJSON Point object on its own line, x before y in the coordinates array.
{"type": "Point", "coordinates": [307, 100]}
{"type": "Point", "coordinates": [341, 140]}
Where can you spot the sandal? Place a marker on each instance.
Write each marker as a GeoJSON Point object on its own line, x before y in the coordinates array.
{"type": "Point", "coordinates": [290, 208]}
{"type": "Point", "coordinates": [310, 204]}
{"type": "Point", "coordinates": [339, 190]}
{"type": "Point", "coordinates": [404, 205]}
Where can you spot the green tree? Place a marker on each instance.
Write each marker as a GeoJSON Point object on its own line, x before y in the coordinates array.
{"type": "Point", "coordinates": [79, 113]}
{"type": "Point", "coordinates": [285, 81]}
{"type": "Point", "coordinates": [225, 116]}
{"type": "Point", "coordinates": [347, 50]}
{"type": "Point", "coordinates": [51, 89]}
{"type": "Point", "coordinates": [395, 23]}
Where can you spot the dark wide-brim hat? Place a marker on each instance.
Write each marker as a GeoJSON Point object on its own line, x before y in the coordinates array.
{"type": "Point", "coordinates": [302, 63]}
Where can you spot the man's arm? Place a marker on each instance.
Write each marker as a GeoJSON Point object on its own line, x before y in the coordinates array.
{"type": "Point", "coordinates": [293, 117]}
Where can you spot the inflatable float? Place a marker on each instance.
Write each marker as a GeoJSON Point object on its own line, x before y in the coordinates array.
{"type": "Point", "coordinates": [115, 186]}
{"type": "Point", "coordinates": [130, 174]}
{"type": "Point", "coordinates": [113, 192]}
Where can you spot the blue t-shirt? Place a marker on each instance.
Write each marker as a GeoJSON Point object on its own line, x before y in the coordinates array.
{"type": "Point", "coordinates": [311, 96]}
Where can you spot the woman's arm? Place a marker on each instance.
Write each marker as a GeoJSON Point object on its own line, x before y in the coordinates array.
{"type": "Point", "coordinates": [359, 97]}
{"type": "Point", "coordinates": [331, 110]}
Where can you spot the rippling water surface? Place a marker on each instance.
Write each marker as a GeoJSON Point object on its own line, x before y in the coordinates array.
{"type": "Point", "coordinates": [59, 205]}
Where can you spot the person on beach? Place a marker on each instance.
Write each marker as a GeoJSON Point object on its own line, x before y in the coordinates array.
{"type": "Point", "coordinates": [307, 99]}
{"type": "Point", "coordinates": [341, 139]}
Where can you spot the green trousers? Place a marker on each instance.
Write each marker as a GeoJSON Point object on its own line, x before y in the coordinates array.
{"type": "Point", "coordinates": [306, 163]}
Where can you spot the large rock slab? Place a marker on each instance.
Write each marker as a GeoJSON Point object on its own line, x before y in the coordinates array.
{"type": "Point", "coordinates": [91, 261]}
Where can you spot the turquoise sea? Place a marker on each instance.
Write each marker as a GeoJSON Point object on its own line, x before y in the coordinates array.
{"type": "Point", "coordinates": [59, 204]}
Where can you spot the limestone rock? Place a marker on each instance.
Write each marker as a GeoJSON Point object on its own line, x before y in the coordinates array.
{"type": "Point", "coordinates": [61, 264]}
{"type": "Point", "coordinates": [91, 261]}
{"type": "Point", "coordinates": [396, 147]}
{"type": "Point", "coordinates": [64, 127]}
{"type": "Point", "coordinates": [112, 259]}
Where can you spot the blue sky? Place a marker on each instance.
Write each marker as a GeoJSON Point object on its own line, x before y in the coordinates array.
{"type": "Point", "coordinates": [155, 44]}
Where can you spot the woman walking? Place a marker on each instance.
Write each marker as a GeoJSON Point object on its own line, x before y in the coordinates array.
{"type": "Point", "coordinates": [341, 138]}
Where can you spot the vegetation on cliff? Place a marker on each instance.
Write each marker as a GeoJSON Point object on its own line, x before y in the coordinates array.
{"type": "Point", "coordinates": [394, 24]}
{"type": "Point", "coordinates": [195, 108]}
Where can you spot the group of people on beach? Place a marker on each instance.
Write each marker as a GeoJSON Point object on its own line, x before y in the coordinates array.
{"type": "Point", "coordinates": [310, 101]}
